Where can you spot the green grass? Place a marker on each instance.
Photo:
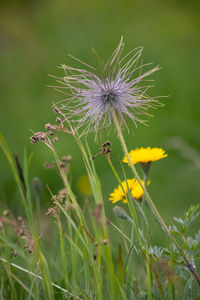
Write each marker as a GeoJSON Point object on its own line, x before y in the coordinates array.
{"type": "Point", "coordinates": [82, 257]}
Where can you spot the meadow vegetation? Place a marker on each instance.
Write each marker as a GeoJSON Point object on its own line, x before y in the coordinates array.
{"type": "Point", "coordinates": [99, 213]}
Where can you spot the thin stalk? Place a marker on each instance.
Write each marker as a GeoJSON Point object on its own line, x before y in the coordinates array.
{"type": "Point", "coordinates": [62, 251]}
{"type": "Point", "coordinates": [149, 200]}
{"type": "Point", "coordinates": [38, 276]}
{"type": "Point", "coordinates": [130, 203]}
{"type": "Point", "coordinates": [171, 290]}
{"type": "Point", "coordinates": [6, 150]}
{"type": "Point", "coordinates": [148, 270]}
{"type": "Point", "coordinates": [13, 292]}
{"type": "Point", "coordinates": [19, 282]}
{"type": "Point", "coordinates": [44, 269]}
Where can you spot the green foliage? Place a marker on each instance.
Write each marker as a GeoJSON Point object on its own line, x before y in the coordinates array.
{"type": "Point", "coordinates": [169, 32]}
{"type": "Point", "coordinates": [80, 260]}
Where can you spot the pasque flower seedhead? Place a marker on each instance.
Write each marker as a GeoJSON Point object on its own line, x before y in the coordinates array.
{"type": "Point", "coordinates": [121, 88]}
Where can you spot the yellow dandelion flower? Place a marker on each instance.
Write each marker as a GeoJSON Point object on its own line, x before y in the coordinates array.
{"type": "Point", "coordinates": [119, 193]}
{"type": "Point", "coordinates": [145, 155]}
{"type": "Point", "coordinates": [134, 188]}
{"type": "Point", "coordinates": [83, 185]}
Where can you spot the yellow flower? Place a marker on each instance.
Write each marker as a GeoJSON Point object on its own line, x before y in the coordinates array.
{"type": "Point", "coordinates": [137, 191]}
{"type": "Point", "coordinates": [145, 155]}
{"type": "Point", "coordinates": [84, 186]}
{"type": "Point", "coordinates": [134, 188]}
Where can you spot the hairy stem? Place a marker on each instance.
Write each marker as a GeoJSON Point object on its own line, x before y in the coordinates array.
{"type": "Point", "coordinates": [148, 198]}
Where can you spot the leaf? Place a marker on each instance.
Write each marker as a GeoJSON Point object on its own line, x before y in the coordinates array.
{"type": "Point", "coordinates": [156, 251]}
{"type": "Point", "coordinates": [120, 268]}
{"type": "Point", "coordinates": [4, 146]}
{"type": "Point", "coordinates": [179, 220]}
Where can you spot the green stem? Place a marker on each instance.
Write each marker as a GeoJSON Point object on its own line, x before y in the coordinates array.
{"type": "Point", "coordinates": [148, 271]}
{"type": "Point", "coordinates": [170, 276]}
{"type": "Point", "coordinates": [148, 198]}
{"type": "Point", "coordinates": [38, 276]}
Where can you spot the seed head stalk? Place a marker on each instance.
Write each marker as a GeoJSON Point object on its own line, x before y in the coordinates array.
{"type": "Point", "coordinates": [148, 198]}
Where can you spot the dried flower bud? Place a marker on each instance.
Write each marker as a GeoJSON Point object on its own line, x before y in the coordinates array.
{"type": "Point", "coordinates": [58, 120]}
{"type": "Point", "coordinates": [48, 126]}
{"type": "Point", "coordinates": [47, 166]}
{"type": "Point", "coordinates": [51, 211]}
{"type": "Point", "coordinates": [39, 136]}
{"type": "Point", "coordinates": [69, 158]}
{"type": "Point", "coordinates": [6, 213]}
{"type": "Point", "coordinates": [15, 253]}
{"type": "Point", "coordinates": [34, 139]}
{"type": "Point", "coordinates": [106, 144]}
{"type": "Point", "coordinates": [108, 150]}
{"type": "Point", "coordinates": [57, 110]}
{"type": "Point", "coordinates": [105, 242]}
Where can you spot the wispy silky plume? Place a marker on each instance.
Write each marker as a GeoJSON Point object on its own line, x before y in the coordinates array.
{"type": "Point", "coordinates": [121, 88]}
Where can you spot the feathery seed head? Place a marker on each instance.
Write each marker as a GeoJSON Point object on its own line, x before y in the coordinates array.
{"type": "Point", "coordinates": [120, 88]}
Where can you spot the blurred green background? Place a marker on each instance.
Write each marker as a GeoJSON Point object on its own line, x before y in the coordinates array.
{"type": "Point", "coordinates": [36, 37]}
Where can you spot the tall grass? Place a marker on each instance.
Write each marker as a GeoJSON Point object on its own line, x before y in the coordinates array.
{"type": "Point", "coordinates": [85, 255]}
